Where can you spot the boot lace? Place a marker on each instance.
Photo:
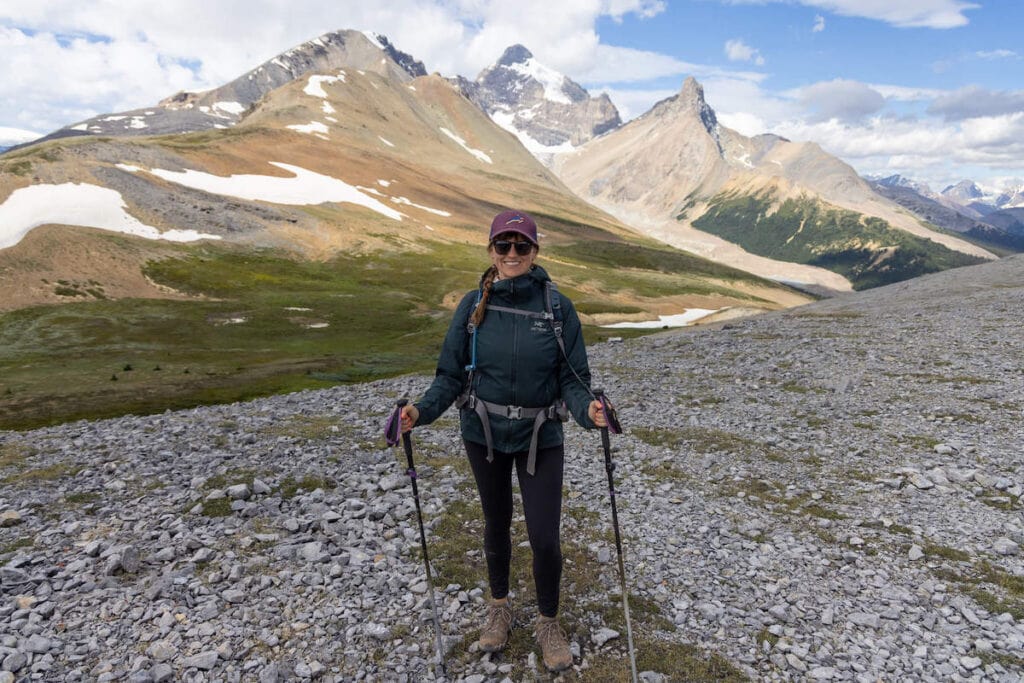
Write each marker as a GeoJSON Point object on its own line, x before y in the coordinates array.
{"type": "Point", "coordinates": [498, 617]}
{"type": "Point", "coordinates": [550, 635]}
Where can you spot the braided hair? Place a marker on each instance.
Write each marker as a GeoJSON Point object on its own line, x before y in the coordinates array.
{"type": "Point", "coordinates": [477, 316]}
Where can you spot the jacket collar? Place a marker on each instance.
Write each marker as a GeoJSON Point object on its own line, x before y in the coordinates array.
{"type": "Point", "coordinates": [517, 287]}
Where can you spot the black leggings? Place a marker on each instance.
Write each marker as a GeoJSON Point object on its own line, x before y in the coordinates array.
{"type": "Point", "coordinates": [542, 506]}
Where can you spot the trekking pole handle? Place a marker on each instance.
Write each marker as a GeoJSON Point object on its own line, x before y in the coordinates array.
{"type": "Point", "coordinates": [402, 402]}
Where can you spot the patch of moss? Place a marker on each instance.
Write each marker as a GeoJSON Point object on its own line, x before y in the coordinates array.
{"type": "Point", "coordinates": [290, 486]}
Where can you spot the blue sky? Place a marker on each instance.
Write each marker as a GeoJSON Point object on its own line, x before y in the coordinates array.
{"type": "Point", "coordinates": [927, 88]}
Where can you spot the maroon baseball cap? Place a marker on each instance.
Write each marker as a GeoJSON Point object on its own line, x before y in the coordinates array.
{"type": "Point", "coordinates": [514, 221]}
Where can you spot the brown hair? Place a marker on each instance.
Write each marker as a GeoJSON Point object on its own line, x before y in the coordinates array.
{"type": "Point", "coordinates": [477, 316]}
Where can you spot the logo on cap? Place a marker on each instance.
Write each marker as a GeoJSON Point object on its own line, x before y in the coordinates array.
{"type": "Point", "coordinates": [515, 219]}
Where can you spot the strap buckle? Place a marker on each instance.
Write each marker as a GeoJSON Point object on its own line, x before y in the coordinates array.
{"type": "Point", "coordinates": [514, 412]}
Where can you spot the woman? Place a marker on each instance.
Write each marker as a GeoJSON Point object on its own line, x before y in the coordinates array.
{"type": "Point", "coordinates": [504, 362]}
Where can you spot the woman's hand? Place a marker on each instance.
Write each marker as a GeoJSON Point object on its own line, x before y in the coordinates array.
{"type": "Point", "coordinates": [596, 412]}
{"type": "Point", "coordinates": [409, 417]}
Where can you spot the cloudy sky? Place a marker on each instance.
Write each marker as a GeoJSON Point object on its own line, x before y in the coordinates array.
{"type": "Point", "coordinates": [927, 88]}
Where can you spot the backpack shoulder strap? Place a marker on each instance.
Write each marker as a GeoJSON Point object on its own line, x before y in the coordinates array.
{"type": "Point", "coordinates": [553, 304]}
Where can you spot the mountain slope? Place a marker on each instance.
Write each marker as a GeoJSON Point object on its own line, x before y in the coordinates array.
{"type": "Point", "coordinates": [665, 170]}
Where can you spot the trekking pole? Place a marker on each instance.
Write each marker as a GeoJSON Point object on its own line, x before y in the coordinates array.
{"type": "Point", "coordinates": [609, 466]}
{"type": "Point", "coordinates": [391, 432]}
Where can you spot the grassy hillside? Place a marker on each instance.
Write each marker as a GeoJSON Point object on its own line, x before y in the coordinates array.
{"type": "Point", "coordinates": [264, 322]}
{"type": "Point", "coordinates": [864, 249]}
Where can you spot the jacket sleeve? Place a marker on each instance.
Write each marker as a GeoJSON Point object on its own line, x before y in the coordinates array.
{"type": "Point", "coordinates": [575, 390]}
{"type": "Point", "coordinates": [451, 373]}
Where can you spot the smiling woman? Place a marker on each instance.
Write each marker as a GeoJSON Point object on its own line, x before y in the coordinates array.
{"type": "Point", "coordinates": [515, 368]}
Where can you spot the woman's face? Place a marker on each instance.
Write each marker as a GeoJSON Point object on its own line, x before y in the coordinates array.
{"type": "Point", "coordinates": [511, 263]}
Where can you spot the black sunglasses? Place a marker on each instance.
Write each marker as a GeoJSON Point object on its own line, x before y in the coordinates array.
{"type": "Point", "coordinates": [504, 246]}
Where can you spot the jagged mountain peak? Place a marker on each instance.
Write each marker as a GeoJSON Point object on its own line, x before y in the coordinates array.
{"type": "Point", "coordinates": [514, 54]}
{"type": "Point", "coordinates": [965, 189]}
{"type": "Point", "coordinates": [541, 106]}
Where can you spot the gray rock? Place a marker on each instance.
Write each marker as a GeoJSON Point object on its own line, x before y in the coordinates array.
{"type": "Point", "coordinates": [37, 644]}
{"type": "Point", "coordinates": [603, 635]}
{"type": "Point", "coordinates": [9, 518]}
{"type": "Point", "coordinates": [204, 661]}
{"type": "Point", "coordinates": [15, 662]}
{"type": "Point", "coordinates": [239, 492]}
{"type": "Point", "coordinates": [162, 673]}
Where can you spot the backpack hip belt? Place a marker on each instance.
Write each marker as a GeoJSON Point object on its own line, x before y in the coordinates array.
{"type": "Point", "coordinates": [555, 411]}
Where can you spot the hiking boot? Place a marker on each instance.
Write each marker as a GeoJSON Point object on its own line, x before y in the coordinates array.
{"type": "Point", "coordinates": [553, 645]}
{"type": "Point", "coordinates": [494, 634]}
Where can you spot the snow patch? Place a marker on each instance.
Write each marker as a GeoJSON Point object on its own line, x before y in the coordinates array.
{"type": "Point", "coordinates": [128, 167]}
{"type": "Point", "coordinates": [138, 122]}
{"type": "Point", "coordinates": [81, 126]}
{"type": "Point", "coordinates": [305, 187]}
{"type": "Point", "coordinates": [506, 120]}
{"type": "Point", "coordinates": [386, 142]}
{"type": "Point", "coordinates": [680, 320]}
{"type": "Point", "coordinates": [327, 108]}
{"type": "Point", "coordinates": [403, 200]}
{"type": "Point", "coordinates": [89, 206]}
{"type": "Point", "coordinates": [384, 183]}
{"type": "Point", "coordinates": [548, 77]}
{"type": "Point", "coordinates": [233, 108]}
{"type": "Point", "coordinates": [310, 128]}
{"type": "Point", "coordinates": [314, 86]}
{"type": "Point", "coordinates": [374, 38]}
{"type": "Point", "coordinates": [482, 156]}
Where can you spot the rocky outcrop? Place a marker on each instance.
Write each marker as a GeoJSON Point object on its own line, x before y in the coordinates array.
{"type": "Point", "coordinates": [545, 109]}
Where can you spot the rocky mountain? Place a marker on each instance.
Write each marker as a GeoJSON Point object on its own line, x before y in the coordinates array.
{"type": "Point", "coordinates": [829, 493]}
{"type": "Point", "coordinates": [777, 208]}
{"type": "Point", "coordinates": [941, 211]}
{"type": "Point", "coordinates": [546, 110]}
{"type": "Point", "coordinates": [1010, 220]}
{"type": "Point", "coordinates": [972, 197]}
{"type": "Point", "coordinates": [226, 105]}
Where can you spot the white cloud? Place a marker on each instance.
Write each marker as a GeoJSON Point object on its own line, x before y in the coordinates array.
{"type": "Point", "coordinates": [937, 14]}
{"type": "Point", "coordinates": [840, 99]}
{"type": "Point", "coordinates": [973, 101]}
{"type": "Point", "coordinates": [996, 54]}
{"type": "Point", "coordinates": [15, 136]}
{"type": "Point", "coordinates": [738, 51]}
{"type": "Point", "coordinates": [819, 24]}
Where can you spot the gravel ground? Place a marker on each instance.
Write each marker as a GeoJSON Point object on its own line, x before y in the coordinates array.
{"type": "Point", "coordinates": [827, 493]}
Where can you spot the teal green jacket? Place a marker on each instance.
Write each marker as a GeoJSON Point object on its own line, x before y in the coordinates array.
{"type": "Point", "coordinates": [518, 363]}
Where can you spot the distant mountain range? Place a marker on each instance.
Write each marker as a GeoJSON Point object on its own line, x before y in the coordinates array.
{"type": "Point", "coordinates": [989, 218]}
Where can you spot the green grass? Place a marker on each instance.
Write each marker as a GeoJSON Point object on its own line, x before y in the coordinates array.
{"type": "Point", "coordinates": [17, 544]}
{"type": "Point", "coordinates": [383, 310]}
{"type": "Point", "coordinates": [864, 249]}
